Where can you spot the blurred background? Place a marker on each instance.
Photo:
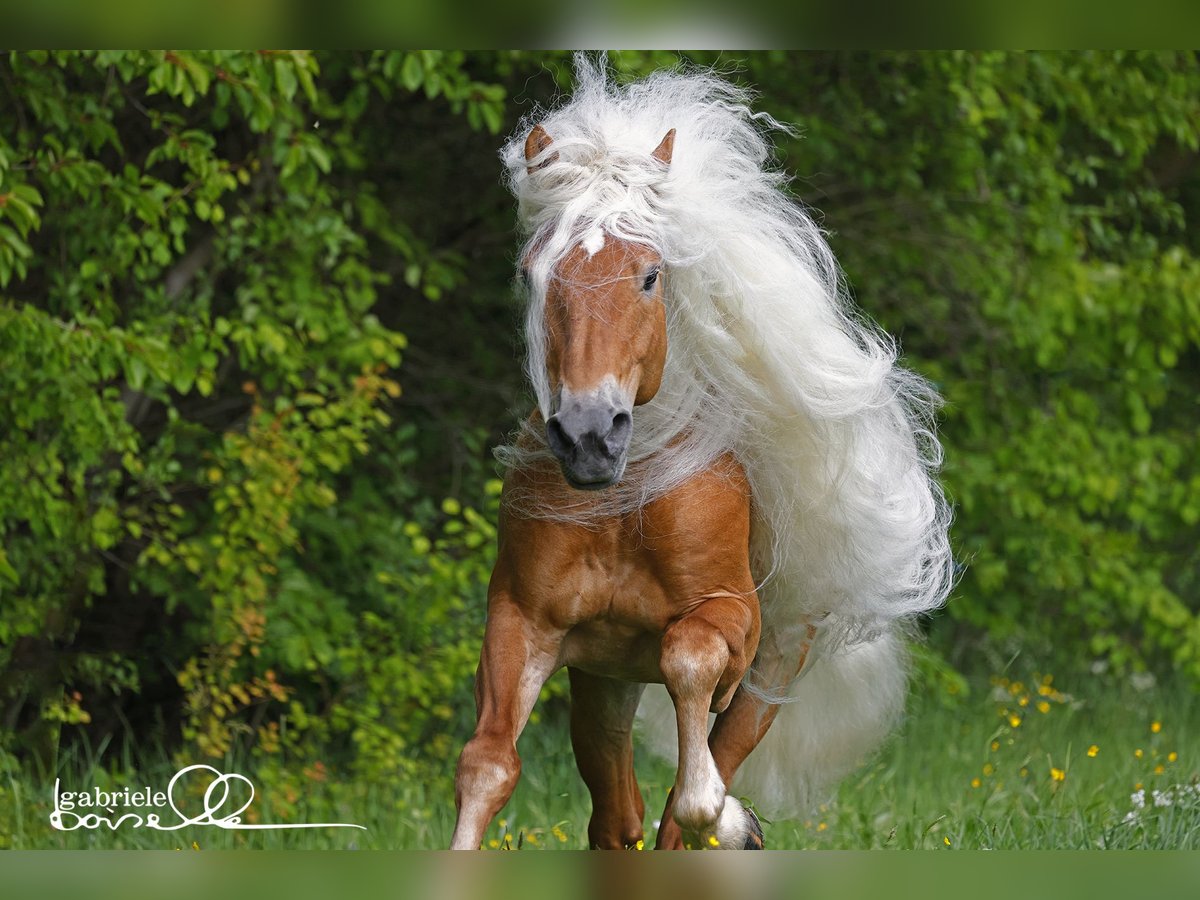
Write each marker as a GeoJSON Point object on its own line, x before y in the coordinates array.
{"type": "Point", "coordinates": [258, 338]}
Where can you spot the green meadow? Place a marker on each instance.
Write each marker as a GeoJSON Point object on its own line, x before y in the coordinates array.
{"type": "Point", "coordinates": [1015, 764]}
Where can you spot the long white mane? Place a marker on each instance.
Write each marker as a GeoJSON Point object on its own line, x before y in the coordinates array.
{"type": "Point", "coordinates": [766, 358]}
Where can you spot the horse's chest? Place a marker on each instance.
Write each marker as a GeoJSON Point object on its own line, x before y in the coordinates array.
{"type": "Point", "coordinates": [612, 589]}
{"type": "Point", "coordinates": [612, 584]}
{"type": "Point", "coordinates": [604, 594]}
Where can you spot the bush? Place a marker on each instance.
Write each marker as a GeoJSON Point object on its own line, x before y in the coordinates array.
{"type": "Point", "coordinates": [192, 257]}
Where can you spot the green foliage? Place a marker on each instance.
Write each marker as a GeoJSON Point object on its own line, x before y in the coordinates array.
{"type": "Point", "coordinates": [190, 258]}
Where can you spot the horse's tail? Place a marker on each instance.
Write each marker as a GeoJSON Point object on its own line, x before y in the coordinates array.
{"type": "Point", "coordinates": [837, 714]}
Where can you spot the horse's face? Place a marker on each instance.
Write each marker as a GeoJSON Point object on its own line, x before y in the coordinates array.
{"type": "Point", "coordinates": [606, 344]}
{"type": "Point", "coordinates": [606, 340]}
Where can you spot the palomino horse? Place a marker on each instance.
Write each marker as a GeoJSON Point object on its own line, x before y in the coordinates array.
{"type": "Point", "coordinates": [712, 430]}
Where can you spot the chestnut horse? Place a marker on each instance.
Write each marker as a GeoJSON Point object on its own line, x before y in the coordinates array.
{"type": "Point", "coordinates": [713, 429]}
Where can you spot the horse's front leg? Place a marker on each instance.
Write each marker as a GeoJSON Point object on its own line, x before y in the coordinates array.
{"type": "Point", "coordinates": [738, 731]}
{"type": "Point", "coordinates": [602, 711]}
{"type": "Point", "coordinates": [516, 660]}
{"type": "Point", "coordinates": [704, 656]}
{"type": "Point", "coordinates": [735, 734]}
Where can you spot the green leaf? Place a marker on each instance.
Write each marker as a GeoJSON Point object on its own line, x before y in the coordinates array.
{"type": "Point", "coordinates": [7, 572]}
{"type": "Point", "coordinates": [285, 78]}
{"type": "Point", "coordinates": [135, 372]}
{"type": "Point", "coordinates": [411, 74]}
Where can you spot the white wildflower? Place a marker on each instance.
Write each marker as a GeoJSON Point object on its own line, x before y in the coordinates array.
{"type": "Point", "coordinates": [1142, 681]}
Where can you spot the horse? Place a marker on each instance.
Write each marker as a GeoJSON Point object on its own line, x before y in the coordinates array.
{"type": "Point", "coordinates": [727, 486]}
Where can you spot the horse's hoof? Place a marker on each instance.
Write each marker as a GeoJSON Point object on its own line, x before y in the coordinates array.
{"type": "Point", "coordinates": [754, 839]}
{"type": "Point", "coordinates": [738, 828]}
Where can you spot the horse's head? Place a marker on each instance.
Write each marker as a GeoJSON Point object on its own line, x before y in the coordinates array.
{"type": "Point", "coordinates": [605, 342]}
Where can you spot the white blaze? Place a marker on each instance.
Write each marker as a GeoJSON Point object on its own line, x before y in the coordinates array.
{"type": "Point", "coordinates": [593, 241]}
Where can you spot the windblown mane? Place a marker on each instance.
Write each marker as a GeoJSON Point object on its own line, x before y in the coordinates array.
{"type": "Point", "coordinates": [766, 358]}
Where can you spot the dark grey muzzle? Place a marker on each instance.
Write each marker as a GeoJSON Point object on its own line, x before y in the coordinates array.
{"type": "Point", "coordinates": [591, 441]}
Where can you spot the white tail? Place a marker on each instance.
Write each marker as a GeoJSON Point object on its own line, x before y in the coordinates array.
{"type": "Point", "coordinates": [842, 709]}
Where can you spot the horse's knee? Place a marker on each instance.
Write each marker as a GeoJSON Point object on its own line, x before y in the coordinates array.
{"type": "Point", "coordinates": [694, 655]}
{"type": "Point", "coordinates": [488, 767]}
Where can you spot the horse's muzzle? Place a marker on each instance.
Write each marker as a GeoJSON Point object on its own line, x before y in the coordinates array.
{"type": "Point", "coordinates": [591, 442]}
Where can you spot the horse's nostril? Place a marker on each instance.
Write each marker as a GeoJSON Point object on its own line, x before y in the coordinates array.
{"type": "Point", "coordinates": [560, 446]}
{"type": "Point", "coordinates": [618, 436]}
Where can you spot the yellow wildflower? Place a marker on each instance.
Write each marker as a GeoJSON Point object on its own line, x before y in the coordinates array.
{"type": "Point", "coordinates": [1172, 756]}
{"type": "Point", "coordinates": [1137, 753]}
{"type": "Point", "coordinates": [1043, 706]}
{"type": "Point", "coordinates": [1159, 769]}
{"type": "Point", "coordinates": [995, 746]}
{"type": "Point", "coordinates": [1137, 785]}
{"type": "Point", "coordinates": [988, 769]}
{"type": "Point", "coordinates": [1045, 690]}
{"type": "Point", "coordinates": [640, 845]}
{"type": "Point", "coordinates": [559, 833]}
{"type": "Point", "coordinates": [1024, 701]}
{"type": "Point", "coordinates": [712, 841]}
{"type": "Point", "coordinates": [1024, 772]}
{"type": "Point", "coordinates": [946, 841]}
{"type": "Point", "coordinates": [822, 826]}
{"type": "Point", "coordinates": [1058, 774]}
{"type": "Point", "coordinates": [1155, 727]}
{"type": "Point", "coordinates": [494, 844]}
{"type": "Point", "coordinates": [531, 839]}
{"type": "Point", "coordinates": [1093, 750]}
{"type": "Point", "coordinates": [975, 782]}
{"type": "Point", "coordinates": [1014, 721]}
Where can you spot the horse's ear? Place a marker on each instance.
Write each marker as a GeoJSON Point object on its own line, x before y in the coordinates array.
{"type": "Point", "coordinates": [665, 148]}
{"type": "Point", "coordinates": [538, 141]}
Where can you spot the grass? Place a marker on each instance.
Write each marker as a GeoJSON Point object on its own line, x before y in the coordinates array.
{"type": "Point", "coordinates": [1027, 763]}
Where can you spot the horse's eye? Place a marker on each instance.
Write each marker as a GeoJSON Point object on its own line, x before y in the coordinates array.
{"type": "Point", "coordinates": [648, 285]}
